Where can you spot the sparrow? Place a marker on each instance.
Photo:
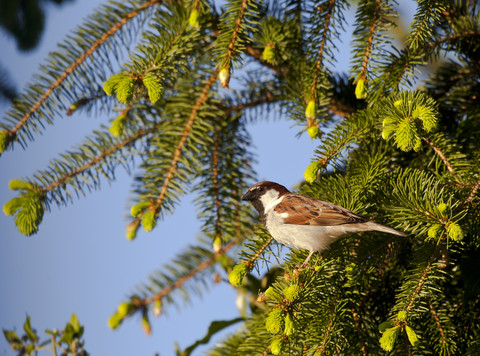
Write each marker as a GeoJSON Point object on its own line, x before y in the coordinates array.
{"type": "Point", "coordinates": [304, 222]}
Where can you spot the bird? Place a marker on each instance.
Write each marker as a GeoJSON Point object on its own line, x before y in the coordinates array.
{"type": "Point", "coordinates": [303, 222]}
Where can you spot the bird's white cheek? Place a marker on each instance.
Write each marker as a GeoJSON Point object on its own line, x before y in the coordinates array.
{"type": "Point", "coordinates": [270, 200]}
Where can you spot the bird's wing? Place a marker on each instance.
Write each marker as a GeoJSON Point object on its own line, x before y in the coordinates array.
{"type": "Point", "coordinates": [304, 210]}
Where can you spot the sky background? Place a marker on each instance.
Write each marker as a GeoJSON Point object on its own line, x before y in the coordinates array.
{"type": "Point", "coordinates": [80, 261]}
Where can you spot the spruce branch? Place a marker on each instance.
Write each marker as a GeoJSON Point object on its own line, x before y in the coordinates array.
{"type": "Point", "coordinates": [216, 188]}
{"type": "Point", "coordinates": [257, 254]}
{"type": "Point", "coordinates": [100, 158]}
{"type": "Point", "coordinates": [238, 22]}
{"type": "Point", "coordinates": [472, 194]}
{"type": "Point", "coordinates": [437, 322]}
{"type": "Point", "coordinates": [156, 205]}
{"type": "Point", "coordinates": [327, 334]}
{"type": "Point", "coordinates": [257, 54]}
{"type": "Point", "coordinates": [233, 37]}
{"type": "Point", "coordinates": [421, 280]}
{"type": "Point", "coordinates": [12, 133]}
{"type": "Point", "coordinates": [323, 42]}
{"type": "Point", "coordinates": [356, 321]}
{"type": "Point", "coordinates": [368, 47]}
{"type": "Point", "coordinates": [442, 157]}
{"type": "Point", "coordinates": [142, 302]}
{"type": "Point", "coordinates": [186, 131]}
{"type": "Point", "coordinates": [426, 22]}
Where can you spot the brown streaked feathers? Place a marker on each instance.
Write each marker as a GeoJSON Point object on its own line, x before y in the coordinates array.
{"type": "Point", "coordinates": [304, 210]}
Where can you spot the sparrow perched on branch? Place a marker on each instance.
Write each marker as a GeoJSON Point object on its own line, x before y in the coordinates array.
{"type": "Point", "coordinates": [304, 222]}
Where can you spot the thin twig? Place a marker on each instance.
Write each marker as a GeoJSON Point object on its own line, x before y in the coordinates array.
{"type": "Point", "coordinates": [250, 262]}
{"type": "Point", "coordinates": [370, 40]}
{"type": "Point", "coordinates": [421, 281]}
{"type": "Point", "coordinates": [323, 42]}
{"type": "Point", "coordinates": [437, 321]}
{"type": "Point", "coordinates": [54, 346]}
{"type": "Point", "coordinates": [443, 158]}
{"type": "Point", "coordinates": [231, 46]}
{"type": "Point", "coordinates": [473, 193]}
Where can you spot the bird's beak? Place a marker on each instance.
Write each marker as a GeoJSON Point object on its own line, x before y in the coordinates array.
{"type": "Point", "coordinates": [248, 196]}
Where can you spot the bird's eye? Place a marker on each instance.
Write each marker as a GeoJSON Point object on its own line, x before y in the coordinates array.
{"type": "Point", "coordinates": [261, 189]}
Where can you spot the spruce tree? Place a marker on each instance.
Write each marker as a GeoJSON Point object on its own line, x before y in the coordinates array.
{"type": "Point", "coordinates": [396, 142]}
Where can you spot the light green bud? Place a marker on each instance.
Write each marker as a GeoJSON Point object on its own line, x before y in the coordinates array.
{"type": "Point", "coordinates": [455, 232]}
{"type": "Point", "coordinates": [313, 131]}
{"type": "Point", "coordinates": [149, 220]}
{"type": "Point", "coordinates": [389, 336]}
{"type": "Point", "coordinates": [268, 54]}
{"type": "Point", "coordinates": [291, 292]}
{"type": "Point", "coordinates": [402, 315]}
{"type": "Point", "coordinates": [412, 337]}
{"type": "Point", "coordinates": [311, 109]}
{"type": "Point", "coordinates": [310, 174]}
{"type": "Point", "coordinates": [276, 346]}
{"type": "Point", "coordinates": [435, 230]}
{"type": "Point", "coordinates": [361, 89]}
{"type": "Point", "coordinates": [275, 321]}
{"type": "Point", "coordinates": [238, 273]}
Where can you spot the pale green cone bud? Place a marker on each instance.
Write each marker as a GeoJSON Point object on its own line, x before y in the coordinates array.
{"type": "Point", "coordinates": [157, 308]}
{"type": "Point", "coordinates": [268, 54]}
{"type": "Point", "coordinates": [131, 230]}
{"type": "Point", "coordinates": [12, 206]}
{"type": "Point", "coordinates": [3, 140]}
{"type": "Point", "coordinates": [193, 19]}
{"type": "Point", "coordinates": [402, 315]}
{"type": "Point", "coordinates": [271, 293]}
{"type": "Point", "coordinates": [137, 209]}
{"type": "Point", "coordinates": [124, 309]}
{"type": "Point", "coordinates": [224, 77]}
{"type": "Point", "coordinates": [147, 328]}
{"type": "Point", "coordinates": [275, 321]}
{"type": "Point", "coordinates": [110, 86]}
{"type": "Point", "coordinates": [310, 111]}
{"type": "Point", "coordinates": [442, 208]}
{"type": "Point", "coordinates": [125, 89]}
{"type": "Point", "coordinates": [16, 184]}
{"type": "Point", "coordinates": [149, 220]}
{"type": "Point", "coordinates": [412, 337]}
{"type": "Point", "coordinates": [310, 174]}
{"type": "Point", "coordinates": [114, 321]}
{"type": "Point", "coordinates": [455, 232]}
{"type": "Point", "coordinates": [289, 325]}
{"type": "Point", "coordinates": [361, 89]}
{"type": "Point", "coordinates": [435, 230]}
{"type": "Point", "coordinates": [291, 292]}
{"type": "Point", "coordinates": [116, 128]}
{"type": "Point", "coordinates": [276, 346]}
{"type": "Point", "coordinates": [313, 131]}
{"type": "Point", "coordinates": [350, 269]}
{"type": "Point", "coordinates": [389, 336]}
{"type": "Point", "coordinates": [238, 273]}
{"type": "Point", "coordinates": [217, 244]}
{"type": "Point", "coordinates": [154, 87]}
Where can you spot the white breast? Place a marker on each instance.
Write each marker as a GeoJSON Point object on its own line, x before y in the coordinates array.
{"type": "Point", "coordinates": [308, 237]}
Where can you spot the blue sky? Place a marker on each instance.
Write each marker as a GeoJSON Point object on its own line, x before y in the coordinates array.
{"type": "Point", "coordinates": [80, 261]}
